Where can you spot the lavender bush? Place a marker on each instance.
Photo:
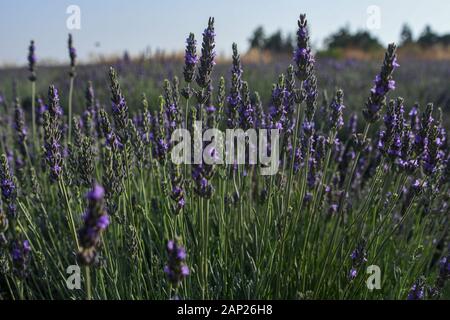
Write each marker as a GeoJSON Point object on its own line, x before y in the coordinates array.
{"type": "Point", "coordinates": [363, 180]}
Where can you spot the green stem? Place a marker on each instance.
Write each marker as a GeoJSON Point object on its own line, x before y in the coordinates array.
{"type": "Point", "coordinates": [33, 114]}
{"type": "Point", "coordinates": [70, 108]}
{"type": "Point", "coordinates": [88, 283]}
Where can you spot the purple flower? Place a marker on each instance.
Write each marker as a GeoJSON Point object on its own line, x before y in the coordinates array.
{"type": "Point", "coordinates": [96, 220]}
{"type": "Point", "coordinates": [353, 123]}
{"type": "Point", "coordinates": [96, 193]}
{"type": "Point", "coordinates": [207, 58]}
{"type": "Point", "coordinates": [20, 254]}
{"type": "Point", "coordinates": [190, 58]}
{"type": "Point", "coordinates": [32, 61]}
{"type": "Point", "coordinates": [337, 108]}
{"type": "Point", "coordinates": [176, 269]}
{"type": "Point", "coordinates": [119, 106]}
{"type": "Point", "coordinates": [303, 58]}
{"type": "Point", "coordinates": [52, 135]}
{"type": "Point", "coordinates": [352, 274]}
{"type": "Point", "coordinates": [383, 84]}
{"type": "Point", "coordinates": [417, 291]}
{"type": "Point", "coordinates": [72, 55]}
{"type": "Point", "coordinates": [358, 257]}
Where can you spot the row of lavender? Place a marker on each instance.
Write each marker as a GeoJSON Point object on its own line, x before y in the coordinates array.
{"type": "Point", "coordinates": [343, 200]}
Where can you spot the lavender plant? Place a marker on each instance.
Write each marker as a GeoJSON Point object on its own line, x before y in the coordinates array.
{"type": "Point", "coordinates": [347, 195]}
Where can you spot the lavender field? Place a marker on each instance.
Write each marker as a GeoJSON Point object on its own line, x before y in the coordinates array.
{"type": "Point", "coordinates": [358, 208]}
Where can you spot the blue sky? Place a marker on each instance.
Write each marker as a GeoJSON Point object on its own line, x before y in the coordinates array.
{"type": "Point", "coordinates": [136, 24]}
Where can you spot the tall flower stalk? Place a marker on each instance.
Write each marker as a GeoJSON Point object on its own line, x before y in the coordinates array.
{"type": "Point", "coordinates": [32, 68]}
{"type": "Point", "coordinates": [72, 74]}
{"type": "Point", "coordinates": [96, 220]}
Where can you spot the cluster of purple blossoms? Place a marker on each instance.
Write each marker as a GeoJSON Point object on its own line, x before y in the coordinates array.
{"type": "Point", "coordinates": [431, 155]}
{"type": "Point", "coordinates": [383, 84]}
{"type": "Point", "coordinates": [176, 269]}
{"type": "Point", "coordinates": [20, 128]}
{"type": "Point", "coordinates": [89, 114]}
{"type": "Point", "coordinates": [40, 109]}
{"type": "Point", "coordinates": [190, 58]}
{"type": "Point", "coordinates": [20, 255]}
{"type": "Point", "coordinates": [443, 276]}
{"type": "Point", "coordinates": [421, 136]}
{"type": "Point", "coordinates": [359, 257]}
{"type": "Point", "coordinates": [8, 187]}
{"type": "Point", "coordinates": [277, 111]}
{"type": "Point", "coordinates": [303, 58]}
{"type": "Point", "coordinates": [353, 123]}
{"type": "Point", "coordinates": [177, 193]}
{"type": "Point", "coordinates": [337, 108]}
{"type": "Point", "coordinates": [172, 113]}
{"type": "Point", "coordinates": [260, 116]}
{"type": "Point", "coordinates": [390, 142]}
{"type": "Point", "coordinates": [234, 97]}
{"type": "Point", "coordinates": [201, 174]}
{"type": "Point", "coordinates": [417, 291]}
{"type": "Point", "coordinates": [96, 220]}
{"type": "Point", "coordinates": [119, 106]}
{"type": "Point", "coordinates": [160, 145]}
{"type": "Point", "coordinates": [52, 135]}
{"type": "Point", "coordinates": [111, 139]}
{"type": "Point", "coordinates": [414, 118]}
{"type": "Point", "coordinates": [32, 61]}
{"type": "Point", "coordinates": [172, 121]}
{"type": "Point", "coordinates": [246, 110]}
{"type": "Point", "coordinates": [310, 88]}
{"type": "Point", "coordinates": [72, 55]}
{"type": "Point", "coordinates": [290, 99]}
{"type": "Point", "coordinates": [207, 58]}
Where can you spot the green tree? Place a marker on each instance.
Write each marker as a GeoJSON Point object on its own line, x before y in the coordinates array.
{"type": "Point", "coordinates": [258, 39]}
{"type": "Point", "coordinates": [343, 38]}
{"type": "Point", "coordinates": [428, 38]}
{"type": "Point", "coordinates": [406, 35]}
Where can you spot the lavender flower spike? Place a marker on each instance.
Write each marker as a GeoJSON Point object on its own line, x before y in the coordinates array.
{"type": "Point", "coordinates": [207, 58]}
{"type": "Point", "coordinates": [96, 220]}
{"type": "Point", "coordinates": [337, 108]}
{"type": "Point", "coordinates": [8, 188]}
{"type": "Point", "coordinates": [119, 106]}
{"type": "Point", "coordinates": [417, 291]}
{"type": "Point", "coordinates": [303, 57]}
{"type": "Point", "coordinates": [359, 257]}
{"type": "Point", "coordinates": [72, 56]}
{"type": "Point", "coordinates": [383, 84]}
{"type": "Point", "coordinates": [52, 135]}
{"type": "Point", "coordinates": [20, 254]}
{"type": "Point", "coordinates": [32, 61]}
{"type": "Point", "coordinates": [176, 269]}
{"type": "Point", "coordinates": [190, 58]}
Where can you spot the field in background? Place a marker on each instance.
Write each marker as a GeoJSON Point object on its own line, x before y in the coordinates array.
{"type": "Point", "coordinates": [418, 80]}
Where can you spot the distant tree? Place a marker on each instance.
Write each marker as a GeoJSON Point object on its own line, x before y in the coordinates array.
{"type": "Point", "coordinates": [343, 38]}
{"type": "Point", "coordinates": [289, 43]}
{"type": "Point", "coordinates": [275, 42]}
{"type": "Point", "coordinates": [258, 39]}
{"type": "Point", "coordinates": [428, 38]}
{"type": "Point", "coordinates": [406, 35]}
{"type": "Point", "coordinates": [126, 57]}
{"type": "Point", "coordinates": [445, 39]}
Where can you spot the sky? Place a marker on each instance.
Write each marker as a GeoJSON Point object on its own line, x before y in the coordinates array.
{"type": "Point", "coordinates": [112, 26]}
